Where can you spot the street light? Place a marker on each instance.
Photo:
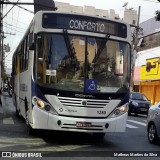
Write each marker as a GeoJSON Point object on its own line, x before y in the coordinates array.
{"type": "Point", "coordinates": [125, 4]}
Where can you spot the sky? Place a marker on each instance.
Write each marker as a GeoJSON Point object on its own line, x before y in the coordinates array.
{"type": "Point", "coordinates": [17, 20]}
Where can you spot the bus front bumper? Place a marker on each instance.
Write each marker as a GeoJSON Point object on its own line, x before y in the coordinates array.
{"type": "Point", "coordinates": [45, 120]}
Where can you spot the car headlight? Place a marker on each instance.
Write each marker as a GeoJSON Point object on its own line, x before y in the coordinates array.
{"type": "Point", "coordinates": [134, 103]}
{"type": "Point", "coordinates": [119, 111]}
{"type": "Point", "coordinates": [43, 105]}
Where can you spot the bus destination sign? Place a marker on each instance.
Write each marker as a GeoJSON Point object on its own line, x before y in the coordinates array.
{"type": "Point", "coordinates": [84, 23]}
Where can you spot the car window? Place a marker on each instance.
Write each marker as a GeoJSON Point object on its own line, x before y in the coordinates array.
{"type": "Point", "coordinates": [138, 96]}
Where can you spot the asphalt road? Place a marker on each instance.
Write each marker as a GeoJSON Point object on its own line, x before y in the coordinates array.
{"type": "Point", "coordinates": [14, 137]}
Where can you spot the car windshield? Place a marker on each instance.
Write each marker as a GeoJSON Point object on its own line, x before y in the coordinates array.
{"type": "Point", "coordinates": [81, 63]}
{"type": "Point", "coordinates": [138, 96]}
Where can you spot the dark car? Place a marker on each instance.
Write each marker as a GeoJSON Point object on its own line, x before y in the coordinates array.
{"type": "Point", "coordinates": [138, 103]}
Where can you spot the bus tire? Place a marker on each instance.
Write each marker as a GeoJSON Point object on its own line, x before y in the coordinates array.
{"type": "Point", "coordinates": [129, 113]}
{"type": "Point", "coordinates": [27, 112]}
{"type": "Point", "coordinates": [31, 131]}
{"type": "Point", "coordinates": [17, 112]}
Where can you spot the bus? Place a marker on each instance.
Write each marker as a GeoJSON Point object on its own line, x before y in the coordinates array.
{"type": "Point", "coordinates": [71, 72]}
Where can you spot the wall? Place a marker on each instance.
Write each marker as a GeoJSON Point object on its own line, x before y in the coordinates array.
{"type": "Point", "coordinates": [130, 16]}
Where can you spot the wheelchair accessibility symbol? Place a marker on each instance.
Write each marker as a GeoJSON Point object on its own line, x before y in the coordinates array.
{"type": "Point", "coordinates": [91, 85]}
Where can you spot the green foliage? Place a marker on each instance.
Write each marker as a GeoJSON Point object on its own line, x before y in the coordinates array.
{"type": "Point", "coordinates": [5, 77]}
{"type": "Point", "coordinates": [157, 17]}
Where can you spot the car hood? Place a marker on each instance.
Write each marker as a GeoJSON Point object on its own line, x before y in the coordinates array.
{"type": "Point", "coordinates": [140, 101]}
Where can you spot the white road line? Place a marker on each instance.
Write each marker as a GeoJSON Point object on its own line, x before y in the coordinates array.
{"type": "Point", "coordinates": [8, 120]}
{"type": "Point", "coordinates": [130, 126]}
{"type": "Point", "coordinates": [143, 124]}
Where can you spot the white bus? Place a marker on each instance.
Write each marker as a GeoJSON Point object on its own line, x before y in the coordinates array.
{"type": "Point", "coordinates": [72, 73]}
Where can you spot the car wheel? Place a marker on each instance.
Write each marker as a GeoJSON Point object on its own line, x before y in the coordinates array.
{"type": "Point", "coordinates": [152, 134]}
{"type": "Point", "coordinates": [31, 131]}
{"type": "Point", "coordinates": [17, 111]}
{"type": "Point", "coordinates": [129, 113]}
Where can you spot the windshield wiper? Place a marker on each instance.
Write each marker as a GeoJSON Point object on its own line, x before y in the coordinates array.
{"type": "Point", "coordinates": [70, 48]}
{"type": "Point", "coordinates": [100, 49]}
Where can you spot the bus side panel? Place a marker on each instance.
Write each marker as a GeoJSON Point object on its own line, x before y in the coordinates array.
{"type": "Point", "coordinates": [16, 90]}
{"type": "Point", "coordinates": [16, 82]}
{"type": "Point", "coordinates": [30, 90]}
{"type": "Point", "coordinates": [24, 84]}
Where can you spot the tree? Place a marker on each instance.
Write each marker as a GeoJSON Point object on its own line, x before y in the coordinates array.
{"type": "Point", "coordinates": [157, 14]}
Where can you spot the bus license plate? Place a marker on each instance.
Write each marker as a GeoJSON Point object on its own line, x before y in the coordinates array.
{"type": "Point", "coordinates": [83, 124]}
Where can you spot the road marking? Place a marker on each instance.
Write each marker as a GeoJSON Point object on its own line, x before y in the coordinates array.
{"type": "Point", "coordinates": [130, 126]}
{"type": "Point", "coordinates": [8, 120]}
{"type": "Point", "coordinates": [143, 124]}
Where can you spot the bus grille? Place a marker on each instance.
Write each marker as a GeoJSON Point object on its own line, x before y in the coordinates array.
{"type": "Point", "coordinates": [92, 128]}
{"type": "Point", "coordinates": [87, 103]}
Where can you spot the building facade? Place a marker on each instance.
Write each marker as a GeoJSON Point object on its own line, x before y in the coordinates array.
{"type": "Point", "coordinates": [147, 66]}
{"type": "Point", "coordinates": [130, 16]}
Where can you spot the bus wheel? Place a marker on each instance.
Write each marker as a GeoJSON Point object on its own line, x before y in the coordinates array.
{"type": "Point", "coordinates": [31, 131]}
{"type": "Point", "coordinates": [99, 135]}
{"type": "Point", "coordinates": [129, 113]}
{"type": "Point", "coordinates": [17, 112]}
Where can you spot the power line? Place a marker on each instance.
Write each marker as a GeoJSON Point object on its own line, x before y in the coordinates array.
{"type": "Point", "coordinates": [16, 26]}
{"type": "Point", "coordinates": [14, 29]}
{"type": "Point", "coordinates": [21, 7]}
{"type": "Point", "coordinates": [27, 3]}
{"type": "Point", "coordinates": [18, 21]}
{"type": "Point", "coordinates": [8, 11]}
{"type": "Point", "coordinates": [150, 1]}
{"type": "Point", "coordinates": [6, 25]}
{"type": "Point", "coordinates": [9, 33]}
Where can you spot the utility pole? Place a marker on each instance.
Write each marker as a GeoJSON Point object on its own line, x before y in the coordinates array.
{"type": "Point", "coordinates": [137, 28]}
{"type": "Point", "coordinates": [134, 54]}
{"type": "Point", "coordinates": [1, 41]}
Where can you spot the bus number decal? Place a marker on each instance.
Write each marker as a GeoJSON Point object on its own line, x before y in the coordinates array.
{"type": "Point", "coordinates": [101, 112]}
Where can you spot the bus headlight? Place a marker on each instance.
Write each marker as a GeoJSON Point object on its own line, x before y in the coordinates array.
{"type": "Point", "coordinates": [43, 105]}
{"type": "Point", "coordinates": [119, 111]}
{"type": "Point", "coordinates": [40, 103]}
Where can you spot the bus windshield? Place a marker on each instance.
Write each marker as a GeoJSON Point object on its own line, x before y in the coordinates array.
{"type": "Point", "coordinates": [73, 62]}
